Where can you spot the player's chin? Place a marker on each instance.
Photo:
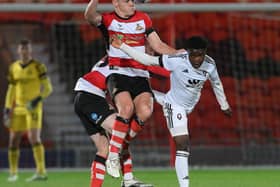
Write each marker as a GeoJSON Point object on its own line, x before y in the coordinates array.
{"type": "Point", "coordinates": [196, 66]}
{"type": "Point", "coordinates": [131, 12]}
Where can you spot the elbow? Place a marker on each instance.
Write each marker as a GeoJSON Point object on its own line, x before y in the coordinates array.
{"type": "Point", "coordinates": [90, 18]}
{"type": "Point", "coordinates": [87, 16]}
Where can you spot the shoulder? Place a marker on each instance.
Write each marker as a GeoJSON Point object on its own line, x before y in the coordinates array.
{"type": "Point", "coordinates": [14, 64]}
{"type": "Point", "coordinates": [41, 68]}
{"type": "Point", "coordinates": [210, 60]}
{"type": "Point", "coordinates": [140, 13]}
{"type": "Point", "coordinates": [183, 55]}
{"type": "Point", "coordinates": [108, 14]}
{"type": "Point", "coordinates": [107, 17]}
{"type": "Point", "coordinates": [141, 16]}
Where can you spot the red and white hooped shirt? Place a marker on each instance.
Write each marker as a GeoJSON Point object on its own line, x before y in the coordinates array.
{"type": "Point", "coordinates": [133, 32]}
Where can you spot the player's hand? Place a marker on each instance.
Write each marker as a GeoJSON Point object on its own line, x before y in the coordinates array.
{"type": "Point", "coordinates": [31, 105]}
{"type": "Point", "coordinates": [227, 112]}
{"type": "Point", "coordinates": [116, 41]}
{"type": "Point", "coordinates": [6, 117]}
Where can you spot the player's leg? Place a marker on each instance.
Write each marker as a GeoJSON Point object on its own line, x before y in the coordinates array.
{"type": "Point", "coordinates": [182, 159]}
{"type": "Point", "coordinates": [127, 170]}
{"type": "Point", "coordinates": [118, 86]}
{"type": "Point", "coordinates": [177, 124]}
{"type": "Point", "coordinates": [19, 124]}
{"type": "Point", "coordinates": [143, 101]}
{"type": "Point", "coordinates": [13, 154]}
{"type": "Point", "coordinates": [95, 115]}
{"type": "Point", "coordinates": [98, 170]}
{"type": "Point", "coordinates": [34, 136]}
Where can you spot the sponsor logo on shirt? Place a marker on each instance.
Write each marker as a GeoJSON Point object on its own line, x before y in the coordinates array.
{"type": "Point", "coordinates": [193, 83]}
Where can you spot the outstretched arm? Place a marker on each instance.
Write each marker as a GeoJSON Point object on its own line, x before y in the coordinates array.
{"type": "Point", "coordinates": [141, 57]}
{"type": "Point", "coordinates": [219, 93]}
{"type": "Point", "coordinates": [91, 15]}
{"type": "Point", "coordinates": [159, 46]}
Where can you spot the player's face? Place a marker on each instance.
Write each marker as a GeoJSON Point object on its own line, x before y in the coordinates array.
{"type": "Point", "coordinates": [125, 8]}
{"type": "Point", "coordinates": [196, 57]}
{"type": "Point", "coordinates": [24, 51]}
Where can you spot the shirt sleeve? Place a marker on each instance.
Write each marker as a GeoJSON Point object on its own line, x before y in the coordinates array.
{"type": "Point", "coordinates": [10, 95]}
{"type": "Point", "coordinates": [171, 62]}
{"type": "Point", "coordinates": [47, 87]}
{"type": "Point", "coordinates": [218, 89]}
{"type": "Point", "coordinates": [45, 81]}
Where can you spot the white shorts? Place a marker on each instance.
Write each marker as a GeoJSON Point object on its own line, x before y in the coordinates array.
{"type": "Point", "coordinates": [176, 119]}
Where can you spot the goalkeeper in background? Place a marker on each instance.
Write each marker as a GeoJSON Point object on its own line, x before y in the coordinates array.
{"type": "Point", "coordinates": [28, 85]}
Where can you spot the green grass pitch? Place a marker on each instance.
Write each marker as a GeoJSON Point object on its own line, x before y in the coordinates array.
{"type": "Point", "coordinates": [160, 178]}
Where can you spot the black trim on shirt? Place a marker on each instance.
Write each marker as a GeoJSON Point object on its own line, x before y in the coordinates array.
{"type": "Point", "coordinates": [124, 18]}
{"type": "Point", "coordinates": [160, 61]}
{"type": "Point", "coordinates": [105, 34]}
{"type": "Point", "coordinates": [43, 75]}
{"type": "Point", "coordinates": [25, 65]}
{"type": "Point", "coordinates": [149, 31]}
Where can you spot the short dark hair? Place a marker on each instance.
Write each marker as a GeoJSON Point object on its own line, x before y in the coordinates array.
{"type": "Point", "coordinates": [196, 42]}
{"type": "Point", "coordinates": [24, 42]}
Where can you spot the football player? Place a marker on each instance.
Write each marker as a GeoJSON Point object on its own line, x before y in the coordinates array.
{"type": "Point", "coordinates": [188, 72]}
{"type": "Point", "coordinates": [28, 86]}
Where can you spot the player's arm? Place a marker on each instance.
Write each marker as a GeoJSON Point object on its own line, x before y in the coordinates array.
{"type": "Point", "coordinates": [139, 56]}
{"type": "Point", "coordinates": [91, 14]}
{"type": "Point", "coordinates": [9, 100]}
{"type": "Point", "coordinates": [217, 86]}
{"type": "Point", "coordinates": [46, 87]}
{"type": "Point", "coordinates": [158, 45]}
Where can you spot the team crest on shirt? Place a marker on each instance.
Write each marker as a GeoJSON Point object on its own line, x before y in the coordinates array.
{"type": "Point", "coordinates": [205, 73]}
{"type": "Point", "coordinates": [179, 116]}
{"type": "Point", "coordinates": [139, 27]}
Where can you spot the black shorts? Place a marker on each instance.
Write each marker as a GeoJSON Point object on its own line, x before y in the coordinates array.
{"type": "Point", "coordinates": [92, 111]}
{"type": "Point", "coordinates": [117, 83]}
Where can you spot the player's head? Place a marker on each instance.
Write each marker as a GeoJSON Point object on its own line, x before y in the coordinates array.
{"type": "Point", "coordinates": [124, 8]}
{"type": "Point", "coordinates": [196, 47]}
{"type": "Point", "coordinates": [24, 50]}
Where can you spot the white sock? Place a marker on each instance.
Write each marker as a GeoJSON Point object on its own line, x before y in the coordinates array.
{"type": "Point", "coordinates": [182, 168]}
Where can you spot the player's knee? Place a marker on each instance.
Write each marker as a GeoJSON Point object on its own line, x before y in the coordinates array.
{"type": "Point", "coordinates": [126, 111]}
{"type": "Point", "coordinates": [182, 147]}
{"type": "Point", "coordinates": [182, 144]}
{"type": "Point", "coordinates": [13, 145]}
{"type": "Point", "coordinates": [14, 142]}
{"type": "Point", "coordinates": [144, 112]}
{"type": "Point", "coordinates": [103, 152]}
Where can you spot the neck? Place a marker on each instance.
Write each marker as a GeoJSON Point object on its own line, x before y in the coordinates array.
{"type": "Point", "coordinates": [121, 15]}
{"type": "Point", "coordinates": [26, 60]}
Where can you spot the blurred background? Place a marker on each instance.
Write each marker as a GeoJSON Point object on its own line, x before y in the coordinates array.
{"type": "Point", "coordinates": [245, 45]}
